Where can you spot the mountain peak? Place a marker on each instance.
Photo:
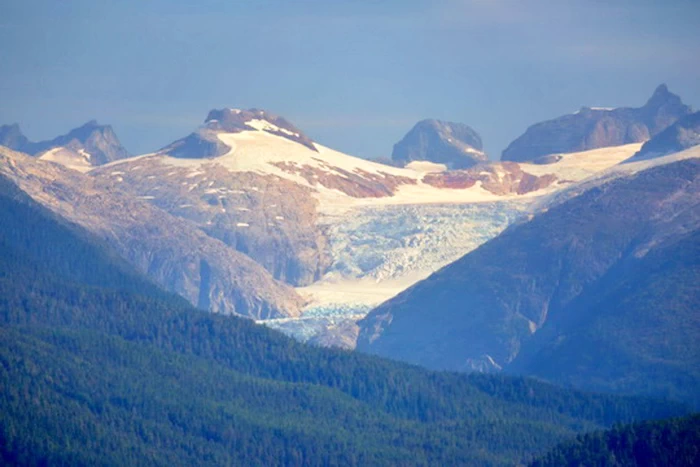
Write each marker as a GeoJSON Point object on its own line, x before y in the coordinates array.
{"type": "Point", "coordinates": [593, 128]}
{"type": "Point", "coordinates": [89, 129]}
{"type": "Point", "coordinates": [662, 96]}
{"type": "Point", "coordinates": [454, 144]}
{"type": "Point", "coordinates": [82, 148]}
{"type": "Point", "coordinates": [90, 124]}
{"type": "Point", "coordinates": [12, 137]}
{"type": "Point", "coordinates": [232, 120]}
{"type": "Point", "coordinates": [661, 89]}
{"type": "Point", "coordinates": [204, 143]}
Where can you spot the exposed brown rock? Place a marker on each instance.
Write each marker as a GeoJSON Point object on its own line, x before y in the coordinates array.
{"type": "Point", "coordinates": [171, 251]}
{"type": "Point", "coordinates": [270, 219]}
{"type": "Point", "coordinates": [500, 179]}
{"type": "Point", "coordinates": [358, 184]}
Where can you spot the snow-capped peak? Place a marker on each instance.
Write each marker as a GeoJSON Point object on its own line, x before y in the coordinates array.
{"type": "Point", "coordinates": [230, 120]}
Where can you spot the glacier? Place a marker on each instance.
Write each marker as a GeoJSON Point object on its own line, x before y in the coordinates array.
{"type": "Point", "coordinates": [379, 251]}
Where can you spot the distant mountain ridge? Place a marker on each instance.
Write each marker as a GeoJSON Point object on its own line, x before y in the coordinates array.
{"type": "Point", "coordinates": [82, 148]}
{"type": "Point", "coordinates": [249, 185]}
{"type": "Point", "coordinates": [455, 145]}
{"type": "Point", "coordinates": [591, 128]}
{"type": "Point", "coordinates": [254, 181]}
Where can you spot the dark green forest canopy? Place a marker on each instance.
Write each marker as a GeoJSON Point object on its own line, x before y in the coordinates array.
{"type": "Point", "coordinates": [98, 366]}
{"type": "Point", "coordinates": [654, 443]}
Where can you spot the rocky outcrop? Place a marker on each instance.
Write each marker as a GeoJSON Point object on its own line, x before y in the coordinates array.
{"type": "Point", "coordinates": [358, 183]}
{"type": "Point", "coordinates": [170, 250]}
{"type": "Point", "coordinates": [202, 144]}
{"type": "Point", "coordinates": [600, 291]}
{"type": "Point", "coordinates": [269, 219]}
{"type": "Point", "coordinates": [97, 142]}
{"type": "Point", "coordinates": [454, 144]}
{"type": "Point", "coordinates": [82, 148]}
{"type": "Point", "coordinates": [592, 128]}
{"type": "Point", "coordinates": [683, 134]}
{"type": "Point", "coordinates": [506, 178]}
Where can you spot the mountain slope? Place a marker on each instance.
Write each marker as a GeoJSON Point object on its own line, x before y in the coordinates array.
{"type": "Point", "coordinates": [120, 372]}
{"type": "Point", "coordinates": [592, 128]}
{"type": "Point", "coordinates": [454, 144]}
{"type": "Point", "coordinates": [639, 328]}
{"type": "Point", "coordinates": [170, 251]}
{"type": "Point", "coordinates": [347, 232]}
{"type": "Point", "coordinates": [537, 281]}
{"type": "Point", "coordinates": [254, 181]}
{"type": "Point", "coordinates": [665, 442]}
{"type": "Point", "coordinates": [263, 188]}
{"type": "Point", "coordinates": [683, 134]}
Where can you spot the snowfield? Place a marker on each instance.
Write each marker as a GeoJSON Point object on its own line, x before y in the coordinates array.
{"type": "Point", "coordinates": [380, 245]}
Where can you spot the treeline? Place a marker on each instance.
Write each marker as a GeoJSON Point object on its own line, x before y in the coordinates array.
{"type": "Point", "coordinates": [98, 366]}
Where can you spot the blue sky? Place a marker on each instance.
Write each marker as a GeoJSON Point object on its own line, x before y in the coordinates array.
{"type": "Point", "coordinates": [353, 75]}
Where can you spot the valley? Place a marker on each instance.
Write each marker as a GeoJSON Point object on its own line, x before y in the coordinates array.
{"type": "Point", "coordinates": [348, 234]}
{"type": "Point", "coordinates": [379, 233]}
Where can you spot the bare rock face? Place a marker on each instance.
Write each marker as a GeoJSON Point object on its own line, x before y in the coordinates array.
{"type": "Point", "coordinates": [454, 144]}
{"type": "Point", "coordinates": [82, 148]}
{"type": "Point", "coordinates": [683, 134]}
{"type": "Point", "coordinates": [98, 141]}
{"type": "Point", "coordinates": [269, 219]}
{"type": "Point", "coordinates": [500, 179]}
{"type": "Point", "coordinates": [170, 250]}
{"type": "Point", "coordinates": [358, 183]}
{"type": "Point", "coordinates": [592, 128]}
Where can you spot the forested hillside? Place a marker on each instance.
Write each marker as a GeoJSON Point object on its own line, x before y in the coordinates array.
{"type": "Point", "coordinates": [658, 443]}
{"type": "Point", "coordinates": [98, 366]}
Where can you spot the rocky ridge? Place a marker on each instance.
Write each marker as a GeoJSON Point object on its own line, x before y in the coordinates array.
{"type": "Point", "coordinates": [591, 128]}
{"type": "Point", "coordinates": [81, 149]}
{"type": "Point", "coordinates": [683, 134]}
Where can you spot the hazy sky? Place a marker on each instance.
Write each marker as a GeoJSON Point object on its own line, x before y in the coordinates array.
{"type": "Point", "coordinates": [354, 75]}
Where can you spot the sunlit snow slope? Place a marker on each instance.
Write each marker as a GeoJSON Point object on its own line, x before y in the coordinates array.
{"type": "Point", "coordinates": [375, 229]}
